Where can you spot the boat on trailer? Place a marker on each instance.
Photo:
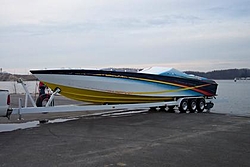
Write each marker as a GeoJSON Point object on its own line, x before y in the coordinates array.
{"type": "Point", "coordinates": [155, 84]}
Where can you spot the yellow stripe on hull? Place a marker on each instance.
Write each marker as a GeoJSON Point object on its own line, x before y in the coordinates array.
{"type": "Point", "coordinates": [104, 97]}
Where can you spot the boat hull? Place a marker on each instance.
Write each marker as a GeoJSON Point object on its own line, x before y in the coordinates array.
{"type": "Point", "coordinates": [103, 87]}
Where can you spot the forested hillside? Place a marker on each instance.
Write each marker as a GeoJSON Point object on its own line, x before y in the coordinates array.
{"type": "Point", "coordinates": [217, 74]}
{"type": "Point", "coordinates": [14, 77]}
{"type": "Point", "coordinates": [223, 74]}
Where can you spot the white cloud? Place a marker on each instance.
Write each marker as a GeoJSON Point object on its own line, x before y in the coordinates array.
{"type": "Point", "coordinates": [195, 34]}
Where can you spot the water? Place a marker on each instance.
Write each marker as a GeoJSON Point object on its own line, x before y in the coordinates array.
{"type": "Point", "coordinates": [15, 126]}
{"type": "Point", "coordinates": [15, 87]}
{"type": "Point", "coordinates": [31, 124]}
{"type": "Point", "coordinates": [233, 97]}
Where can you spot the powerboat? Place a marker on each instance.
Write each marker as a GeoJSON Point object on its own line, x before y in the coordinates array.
{"type": "Point", "coordinates": [107, 86]}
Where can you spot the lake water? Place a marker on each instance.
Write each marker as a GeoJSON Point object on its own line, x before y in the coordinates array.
{"type": "Point", "coordinates": [15, 87]}
{"type": "Point", "coordinates": [233, 97]}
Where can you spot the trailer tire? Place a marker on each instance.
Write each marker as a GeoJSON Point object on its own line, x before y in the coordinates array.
{"type": "Point", "coordinates": [183, 106]}
{"type": "Point", "coordinates": [42, 100]}
{"type": "Point", "coordinates": [201, 105]}
{"type": "Point", "coordinates": [192, 105]}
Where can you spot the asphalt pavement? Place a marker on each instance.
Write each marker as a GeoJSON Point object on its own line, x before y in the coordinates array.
{"type": "Point", "coordinates": [132, 140]}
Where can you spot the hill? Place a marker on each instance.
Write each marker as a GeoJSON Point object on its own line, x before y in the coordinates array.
{"type": "Point", "coordinates": [223, 74]}
{"type": "Point", "coordinates": [14, 77]}
{"type": "Point", "coordinates": [217, 74]}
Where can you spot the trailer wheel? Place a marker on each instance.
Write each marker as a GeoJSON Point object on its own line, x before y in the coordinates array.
{"type": "Point", "coordinates": [200, 105]}
{"type": "Point", "coordinates": [183, 106]}
{"type": "Point", "coordinates": [42, 100]}
{"type": "Point", "coordinates": [192, 105]}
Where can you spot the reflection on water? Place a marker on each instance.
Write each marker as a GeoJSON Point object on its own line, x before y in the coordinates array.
{"type": "Point", "coordinates": [15, 126]}
{"type": "Point", "coordinates": [32, 124]}
{"type": "Point", "coordinates": [62, 120]}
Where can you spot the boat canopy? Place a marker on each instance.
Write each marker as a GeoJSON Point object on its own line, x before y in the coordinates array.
{"type": "Point", "coordinates": [169, 72]}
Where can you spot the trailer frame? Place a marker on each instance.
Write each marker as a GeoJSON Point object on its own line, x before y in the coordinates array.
{"type": "Point", "coordinates": [48, 108]}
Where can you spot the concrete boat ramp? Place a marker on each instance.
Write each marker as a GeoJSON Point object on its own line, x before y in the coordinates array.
{"type": "Point", "coordinates": [145, 139]}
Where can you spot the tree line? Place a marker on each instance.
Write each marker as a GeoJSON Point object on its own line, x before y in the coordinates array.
{"type": "Point", "coordinates": [223, 74]}
{"type": "Point", "coordinates": [216, 74]}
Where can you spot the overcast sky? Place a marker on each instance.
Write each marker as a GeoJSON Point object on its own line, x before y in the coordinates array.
{"type": "Point", "coordinates": [201, 35]}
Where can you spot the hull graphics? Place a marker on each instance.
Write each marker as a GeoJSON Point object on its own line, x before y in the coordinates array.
{"type": "Point", "coordinates": [98, 86]}
{"type": "Point", "coordinates": [100, 97]}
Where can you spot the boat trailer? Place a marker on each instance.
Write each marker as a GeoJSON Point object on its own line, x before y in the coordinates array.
{"type": "Point", "coordinates": [181, 103]}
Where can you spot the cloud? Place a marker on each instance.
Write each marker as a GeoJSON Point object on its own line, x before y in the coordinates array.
{"type": "Point", "coordinates": [116, 33]}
